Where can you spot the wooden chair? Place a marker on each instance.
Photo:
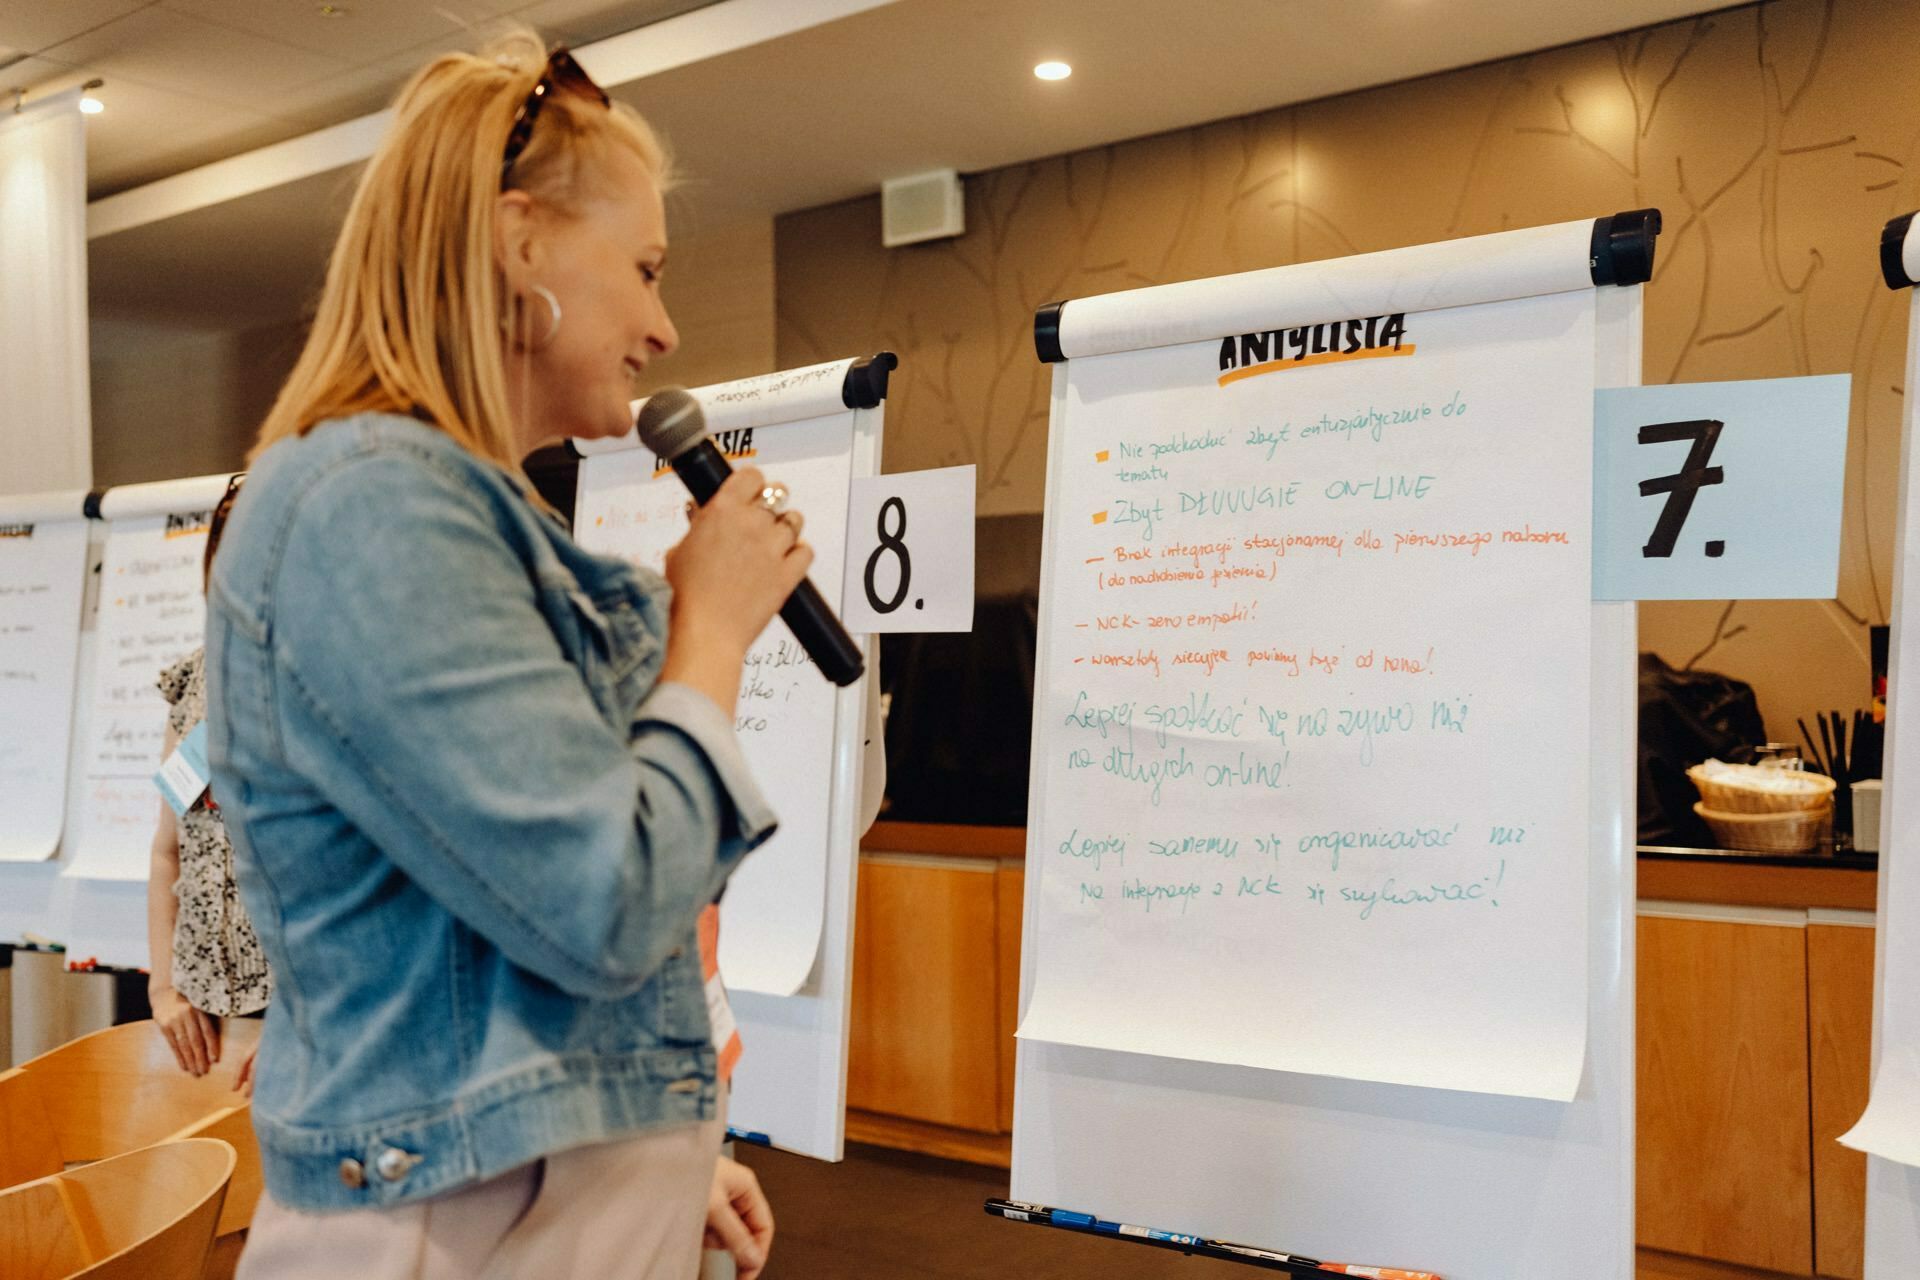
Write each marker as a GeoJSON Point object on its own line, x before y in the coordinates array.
{"type": "Point", "coordinates": [145, 1215]}
{"type": "Point", "coordinates": [119, 1090]}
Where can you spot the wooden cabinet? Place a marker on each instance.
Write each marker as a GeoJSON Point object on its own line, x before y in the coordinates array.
{"type": "Point", "coordinates": [926, 1009]}
{"type": "Point", "coordinates": [1840, 1036]}
{"type": "Point", "coordinates": [1723, 1157]}
{"type": "Point", "coordinates": [1755, 1027]}
{"type": "Point", "coordinates": [936, 986]}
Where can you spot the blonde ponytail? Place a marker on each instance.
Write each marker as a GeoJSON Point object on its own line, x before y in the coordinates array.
{"type": "Point", "coordinates": [410, 318]}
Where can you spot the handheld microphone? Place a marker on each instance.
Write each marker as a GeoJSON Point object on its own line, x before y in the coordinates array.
{"type": "Point", "coordinates": [671, 424]}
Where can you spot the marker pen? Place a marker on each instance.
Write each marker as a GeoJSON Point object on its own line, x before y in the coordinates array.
{"type": "Point", "coordinates": [1021, 1211]}
{"type": "Point", "coordinates": [747, 1135]}
{"type": "Point", "coordinates": [1376, 1273]}
{"type": "Point", "coordinates": [1264, 1255]}
{"type": "Point", "coordinates": [1144, 1233]}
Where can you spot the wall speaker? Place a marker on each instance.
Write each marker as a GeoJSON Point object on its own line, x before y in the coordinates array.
{"type": "Point", "coordinates": [926, 206]}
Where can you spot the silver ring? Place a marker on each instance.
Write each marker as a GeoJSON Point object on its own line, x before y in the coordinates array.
{"type": "Point", "coordinates": [774, 498]}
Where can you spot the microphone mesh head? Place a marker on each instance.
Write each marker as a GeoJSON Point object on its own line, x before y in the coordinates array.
{"type": "Point", "coordinates": [670, 422]}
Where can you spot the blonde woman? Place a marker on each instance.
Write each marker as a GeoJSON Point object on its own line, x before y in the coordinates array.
{"type": "Point", "coordinates": [482, 784]}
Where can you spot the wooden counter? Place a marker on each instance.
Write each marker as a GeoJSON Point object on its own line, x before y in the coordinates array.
{"type": "Point", "coordinates": [945, 840]}
{"type": "Point", "coordinates": [1759, 882]}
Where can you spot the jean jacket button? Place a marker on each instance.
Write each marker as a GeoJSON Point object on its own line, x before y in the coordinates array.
{"type": "Point", "coordinates": [394, 1164]}
{"type": "Point", "coordinates": [353, 1174]}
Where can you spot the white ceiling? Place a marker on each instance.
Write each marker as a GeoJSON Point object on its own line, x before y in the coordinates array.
{"type": "Point", "coordinates": [191, 81]}
{"type": "Point", "coordinates": [819, 115]}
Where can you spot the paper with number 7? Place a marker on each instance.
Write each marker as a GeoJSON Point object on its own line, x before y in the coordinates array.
{"type": "Point", "coordinates": [909, 560]}
{"type": "Point", "coordinates": [1719, 490]}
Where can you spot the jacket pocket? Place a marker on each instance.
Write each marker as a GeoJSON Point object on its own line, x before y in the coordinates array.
{"type": "Point", "coordinates": [618, 657]}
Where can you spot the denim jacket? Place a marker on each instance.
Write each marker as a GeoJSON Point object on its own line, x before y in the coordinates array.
{"type": "Point", "coordinates": [472, 828]}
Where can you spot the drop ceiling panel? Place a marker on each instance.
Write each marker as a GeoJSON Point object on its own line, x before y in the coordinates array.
{"type": "Point", "coordinates": [365, 31]}
{"type": "Point", "coordinates": [34, 25]}
{"type": "Point", "coordinates": [163, 49]}
{"type": "Point", "coordinates": [579, 22]}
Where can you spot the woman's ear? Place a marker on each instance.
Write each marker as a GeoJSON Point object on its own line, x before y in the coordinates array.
{"type": "Point", "coordinates": [516, 240]}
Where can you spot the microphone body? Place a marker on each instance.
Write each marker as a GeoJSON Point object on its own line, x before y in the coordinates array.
{"type": "Point", "coordinates": [703, 469]}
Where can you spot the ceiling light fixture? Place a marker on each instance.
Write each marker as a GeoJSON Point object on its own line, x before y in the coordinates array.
{"type": "Point", "coordinates": [91, 106]}
{"type": "Point", "coordinates": [1053, 71]}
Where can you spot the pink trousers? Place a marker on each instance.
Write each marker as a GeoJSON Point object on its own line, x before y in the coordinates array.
{"type": "Point", "coordinates": [628, 1210]}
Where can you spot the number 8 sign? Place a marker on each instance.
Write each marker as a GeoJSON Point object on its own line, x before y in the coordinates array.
{"type": "Point", "coordinates": [909, 563]}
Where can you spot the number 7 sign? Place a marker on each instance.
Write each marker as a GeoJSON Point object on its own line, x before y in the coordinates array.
{"type": "Point", "coordinates": [1719, 490]}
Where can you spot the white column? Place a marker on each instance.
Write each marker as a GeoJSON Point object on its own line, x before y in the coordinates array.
{"type": "Point", "coordinates": [45, 421]}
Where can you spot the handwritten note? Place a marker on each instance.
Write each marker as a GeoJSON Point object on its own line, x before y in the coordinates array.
{"type": "Point", "coordinates": [775, 904]}
{"type": "Point", "coordinates": [42, 579]}
{"type": "Point", "coordinates": [1312, 737]}
{"type": "Point", "coordinates": [152, 614]}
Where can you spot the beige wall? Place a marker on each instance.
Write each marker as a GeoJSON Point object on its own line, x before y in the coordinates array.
{"type": "Point", "coordinates": [718, 288]}
{"type": "Point", "coordinates": [171, 402]}
{"type": "Point", "coordinates": [1777, 140]}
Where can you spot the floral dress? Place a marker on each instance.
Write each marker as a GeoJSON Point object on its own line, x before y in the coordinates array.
{"type": "Point", "coordinates": [217, 962]}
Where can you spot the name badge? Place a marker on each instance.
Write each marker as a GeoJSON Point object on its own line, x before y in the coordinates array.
{"type": "Point", "coordinates": [183, 776]}
{"type": "Point", "coordinates": [726, 1032]}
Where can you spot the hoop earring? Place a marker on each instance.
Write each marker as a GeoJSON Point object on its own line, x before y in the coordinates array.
{"type": "Point", "coordinates": [553, 319]}
{"type": "Point", "coordinates": [553, 324]}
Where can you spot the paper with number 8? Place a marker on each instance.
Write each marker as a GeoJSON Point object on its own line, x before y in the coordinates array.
{"type": "Point", "coordinates": [909, 563]}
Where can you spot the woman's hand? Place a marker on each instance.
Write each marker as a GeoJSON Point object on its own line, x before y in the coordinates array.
{"type": "Point", "coordinates": [730, 575]}
{"type": "Point", "coordinates": [192, 1035]}
{"type": "Point", "coordinates": [738, 1217]}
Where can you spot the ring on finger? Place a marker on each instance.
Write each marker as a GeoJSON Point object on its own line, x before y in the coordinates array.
{"type": "Point", "coordinates": [774, 498]}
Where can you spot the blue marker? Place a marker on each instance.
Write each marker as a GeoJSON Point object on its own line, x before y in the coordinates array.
{"type": "Point", "coordinates": [1145, 1233]}
{"type": "Point", "coordinates": [747, 1135]}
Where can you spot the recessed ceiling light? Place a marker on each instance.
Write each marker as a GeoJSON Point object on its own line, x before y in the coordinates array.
{"type": "Point", "coordinates": [1053, 71]}
{"type": "Point", "coordinates": [91, 106]}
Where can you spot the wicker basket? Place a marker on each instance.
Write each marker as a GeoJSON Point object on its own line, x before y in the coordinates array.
{"type": "Point", "coordinates": [1793, 831]}
{"type": "Point", "coordinates": [1731, 798]}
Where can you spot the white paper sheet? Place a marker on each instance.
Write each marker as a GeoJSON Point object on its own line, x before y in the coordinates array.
{"type": "Point", "coordinates": [43, 567]}
{"type": "Point", "coordinates": [909, 560]}
{"type": "Point", "coordinates": [151, 615]}
{"type": "Point", "coordinates": [1890, 1128]}
{"type": "Point", "coordinates": [772, 913]}
{"type": "Point", "coordinates": [766, 400]}
{"type": "Point", "coordinates": [1311, 747]}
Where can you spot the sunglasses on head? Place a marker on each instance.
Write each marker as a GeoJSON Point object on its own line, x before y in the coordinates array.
{"type": "Point", "coordinates": [562, 73]}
